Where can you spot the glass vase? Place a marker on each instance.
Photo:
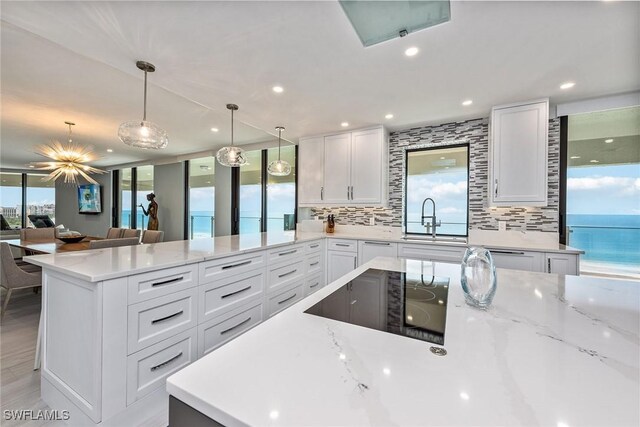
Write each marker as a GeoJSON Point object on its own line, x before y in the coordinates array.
{"type": "Point", "coordinates": [478, 277]}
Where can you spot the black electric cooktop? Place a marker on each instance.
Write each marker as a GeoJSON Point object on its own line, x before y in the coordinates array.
{"type": "Point", "coordinates": [409, 304]}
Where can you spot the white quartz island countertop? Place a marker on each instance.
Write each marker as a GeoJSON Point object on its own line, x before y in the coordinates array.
{"type": "Point", "coordinates": [551, 351]}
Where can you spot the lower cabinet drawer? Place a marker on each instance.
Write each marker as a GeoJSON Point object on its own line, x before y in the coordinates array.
{"type": "Point", "coordinates": [154, 320]}
{"type": "Point", "coordinates": [312, 284]}
{"type": "Point", "coordinates": [218, 331]}
{"type": "Point", "coordinates": [279, 301]}
{"type": "Point", "coordinates": [314, 264]}
{"type": "Point", "coordinates": [431, 252]}
{"type": "Point", "coordinates": [217, 298]}
{"type": "Point", "coordinates": [148, 368]}
{"type": "Point", "coordinates": [142, 287]}
{"type": "Point", "coordinates": [281, 277]}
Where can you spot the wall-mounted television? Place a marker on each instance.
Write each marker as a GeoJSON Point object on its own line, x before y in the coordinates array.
{"type": "Point", "coordinates": [89, 199]}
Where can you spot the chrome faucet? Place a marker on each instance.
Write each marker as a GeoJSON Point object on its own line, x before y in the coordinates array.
{"type": "Point", "coordinates": [432, 224]}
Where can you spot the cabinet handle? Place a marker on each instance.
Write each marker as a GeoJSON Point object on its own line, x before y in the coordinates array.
{"type": "Point", "coordinates": [506, 252]}
{"type": "Point", "coordinates": [378, 243]}
{"type": "Point", "coordinates": [496, 189]}
{"type": "Point", "coordinates": [236, 265]}
{"type": "Point", "coordinates": [355, 262]}
{"type": "Point", "coordinates": [287, 299]}
{"type": "Point", "coordinates": [314, 246]}
{"type": "Point", "coordinates": [166, 282]}
{"type": "Point", "coordinates": [321, 193]}
{"type": "Point", "coordinates": [548, 265]}
{"type": "Point", "coordinates": [314, 285]}
{"type": "Point", "coordinates": [352, 192]}
{"type": "Point", "coordinates": [287, 274]}
{"type": "Point", "coordinates": [163, 364]}
{"type": "Point", "coordinates": [236, 326]}
{"type": "Point", "coordinates": [314, 263]}
{"type": "Point", "coordinates": [288, 252]}
{"type": "Point", "coordinates": [345, 245]}
{"type": "Point", "coordinates": [171, 316]}
{"type": "Point", "coordinates": [348, 196]}
{"type": "Point", "coordinates": [234, 293]}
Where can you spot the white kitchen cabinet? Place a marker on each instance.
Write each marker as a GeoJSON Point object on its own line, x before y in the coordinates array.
{"type": "Point", "coordinates": [518, 154]}
{"type": "Point", "coordinates": [518, 260]}
{"type": "Point", "coordinates": [558, 263]}
{"type": "Point", "coordinates": [311, 170]}
{"type": "Point", "coordinates": [369, 249]}
{"type": "Point", "coordinates": [347, 169]}
{"type": "Point", "coordinates": [340, 263]}
{"type": "Point", "coordinates": [337, 169]}
{"type": "Point", "coordinates": [428, 252]}
{"type": "Point", "coordinates": [367, 180]}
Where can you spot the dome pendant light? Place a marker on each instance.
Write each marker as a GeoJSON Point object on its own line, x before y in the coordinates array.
{"type": "Point", "coordinates": [231, 156]}
{"type": "Point", "coordinates": [143, 134]}
{"type": "Point", "coordinates": [279, 167]}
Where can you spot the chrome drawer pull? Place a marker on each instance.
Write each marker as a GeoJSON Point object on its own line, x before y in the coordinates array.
{"type": "Point", "coordinates": [171, 316]}
{"type": "Point", "coordinates": [288, 252]}
{"type": "Point", "coordinates": [378, 243]}
{"type": "Point", "coordinates": [314, 263]}
{"type": "Point", "coordinates": [166, 282]}
{"type": "Point", "coordinates": [507, 252]}
{"type": "Point", "coordinates": [234, 293]}
{"type": "Point", "coordinates": [236, 265]}
{"type": "Point", "coordinates": [163, 364]}
{"type": "Point", "coordinates": [314, 246]}
{"type": "Point", "coordinates": [236, 326]}
{"type": "Point", "coordinates": [286, 274]}
{"type": "Point", "coordinates": [287, 299]}
{"type": "Point", "coordinates": [314, 285]}
{"type": "Point", "coordinates": [346, 245]}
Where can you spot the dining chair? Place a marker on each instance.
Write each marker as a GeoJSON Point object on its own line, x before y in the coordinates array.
{"type": "Point", "coordinates": [152, 236]}
{"type": "Point", "coordinates": [114, 233]}
{"type": "Point", "coordinates": [35, 234]}
{"type": "Point", "coordinates": [131, 232]}
{"type": "Point", "coordinates": [112, 243]}
{"type": "Point", "coordinates": [13, 277]}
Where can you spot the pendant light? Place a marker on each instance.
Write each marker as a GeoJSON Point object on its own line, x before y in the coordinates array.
{"type": "Point", "coordinates": [67, 160]}
{"type": "Point", "coordinates": [231, 156]}
{"type": "Point", "coordinates": [143, 134]}
{"type": "Point", "coordinates": [279, 167]}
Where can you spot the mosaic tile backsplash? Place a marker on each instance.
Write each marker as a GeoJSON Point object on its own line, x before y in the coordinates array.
{"type": "Point", "coordinates": [481, 216]}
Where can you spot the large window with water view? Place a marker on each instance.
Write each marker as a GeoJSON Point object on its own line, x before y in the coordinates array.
{"type": "Point", "coordinates": [202, 197]}
{"type": "Point", "coordinates": [603, 190]}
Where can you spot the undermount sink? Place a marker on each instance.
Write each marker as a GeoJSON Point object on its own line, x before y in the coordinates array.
{"type": "Point", "coordinates": [438, 239]}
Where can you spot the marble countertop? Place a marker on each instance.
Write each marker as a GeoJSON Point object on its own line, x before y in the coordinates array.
{"type": "Point", "coordinates": [551, 350]}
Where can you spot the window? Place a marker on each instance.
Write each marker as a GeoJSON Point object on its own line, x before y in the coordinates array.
{"type": "Point", "coordinates": [250, 196]}
{"type": "Point", "coordinates": [202, 196]}
{"type": "Point", "coordinates": [124, 198]}
{"type": "Point", "coordinates": [281, 192]}
{"type": "Point", "coordinates": [11, 199]}
{"type": "Point", "coordinates": [442, 174]}
{"type": "Point", "coordinates": [41, 197]}
{"type": "Point", "coordinates": [144, 186]}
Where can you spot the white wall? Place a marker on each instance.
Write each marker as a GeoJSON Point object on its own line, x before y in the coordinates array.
{"type": "Point", "coordinates": [168, 186]}
{"type": "Point", "coordinates": [223, 200]}
{"type": "Point", "coordinates": [67, 208]}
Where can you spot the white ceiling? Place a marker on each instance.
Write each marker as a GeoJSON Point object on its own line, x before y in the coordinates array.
{"type": "Point", "coordinates": [76, 61]}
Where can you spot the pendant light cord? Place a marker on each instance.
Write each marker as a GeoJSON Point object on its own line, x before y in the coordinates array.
{"type": "Point", "coordinates": [69, 132]}
{"type": "Point", "coordinates": [232, 127]}
{"type": "Point", "coordinates": [279, 137]}
{"type": "Point", "coordinates": [144, 116]}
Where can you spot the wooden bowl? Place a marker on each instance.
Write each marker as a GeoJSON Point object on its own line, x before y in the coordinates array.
{"type": "Point", "coordinates": [72, 239]}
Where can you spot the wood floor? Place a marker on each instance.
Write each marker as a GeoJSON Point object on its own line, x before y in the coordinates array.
{"type": "Point", "coordinates": [19, 383]}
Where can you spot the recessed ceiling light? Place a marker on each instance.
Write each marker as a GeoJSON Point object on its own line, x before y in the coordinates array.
{"type": "Point", "coordinates": [278, 89]}
{"type": "Point", "coordinates": [467, 102]}
{"type": "Point", "coordinates": [344, 124]}
{"type": "Point", "coordinates": [442, 158]}
{"type": "Point", "coordinates": [575, 157]}
{"type": "Point", "coordinates": [567, 85]}
{"type": "Point", "coordinates": [109, 150]}
{"type": "Point", "coordinates": [31, 166]}
{"type": "Point", "coordinates": [594, 161]}
{"type": "Point", "coordinates": [412, 51]}
{"type": "Point", "coordinates": [214, 129]}
{"type": "Point", "coordinates": [608, 141]}
{"type": "Point", "coordinates": [389, 116]}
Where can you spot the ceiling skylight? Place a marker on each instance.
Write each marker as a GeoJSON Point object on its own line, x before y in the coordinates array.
{"type": "Point", "coordinates": [379, 21]}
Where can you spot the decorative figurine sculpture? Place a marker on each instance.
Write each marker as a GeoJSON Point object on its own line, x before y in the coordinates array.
{"type": "Point", "coordinates": [151, 212]}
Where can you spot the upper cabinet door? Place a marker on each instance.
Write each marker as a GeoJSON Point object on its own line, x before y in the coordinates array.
{"type": "Point", "coordinates": [367, 152]}
{"type": "Point", "coordinates": [337, 168]}
{"type": "Point", "coordinates": [518, 146]}
{"type": "Point", "coordinates": [310, 170]}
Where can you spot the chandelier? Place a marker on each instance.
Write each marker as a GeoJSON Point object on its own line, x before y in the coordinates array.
{"type": "Point", "coordinates": [142, 133]}
{"type": "Point", "coordinates": [231, 156]}
{"type": "Point", "coordinates": [67, 160]}
{"type": "Point", "coordinates": [279, 167]}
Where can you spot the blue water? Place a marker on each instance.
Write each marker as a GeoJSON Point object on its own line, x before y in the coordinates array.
{"type": "Point", "coordinates": [611, 239]}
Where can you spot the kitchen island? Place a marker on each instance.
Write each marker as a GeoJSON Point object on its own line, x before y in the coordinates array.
{"type": "Point", "coordinates": [552, 350]}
